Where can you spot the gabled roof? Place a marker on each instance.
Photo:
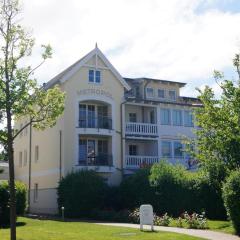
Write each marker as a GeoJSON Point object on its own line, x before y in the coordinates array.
{"type": "Point", "coordinates": [70, 71]}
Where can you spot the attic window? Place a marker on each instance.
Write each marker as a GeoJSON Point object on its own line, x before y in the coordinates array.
{"type": "Point", "coordinates": [94, 76]}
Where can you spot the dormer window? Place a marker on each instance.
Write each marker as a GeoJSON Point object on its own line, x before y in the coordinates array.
{"type": "Point", "coordinates": [150, 93]}
{"type": "Point", "coordinates": [94, 76]}
{"type": "Point", "coordinates": [161, 93]}
{"type": "Point", "coordinates": [172, 94]}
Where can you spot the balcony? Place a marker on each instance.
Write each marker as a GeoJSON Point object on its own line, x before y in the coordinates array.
{"type": "Point", "coordinates": [141, 129]}
{"type": "Point", "coordinates": [99, 122]}
{"type": "Point", "coordinates": [135, 162]}
{"type": "Point", "coordinates": [97, 160]}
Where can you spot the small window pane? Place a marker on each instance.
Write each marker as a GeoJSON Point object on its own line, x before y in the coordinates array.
{"type": "Point", "coordinates": [25, 158]}
{"type": "Point", "coordinates": [172, 95]}
{"type": "Point", "coordinates": [150, 92]}
{"type": "Point", "coordinates": [91, 76]}
{"type": "Point", "coordinates": [132, 117]}
{"type": "Point", "coordinates": [36, 153]}
{"type": "Point", "coordinates": [188, 119]}
{"type": "Point", "coordinates": [166, 149]}
{"type": "Point", "coordinates": [165, 116]}
{"type": "Point", "coordinates": [177, 117]}
{"type": "Point", "coordinates": [132, 150]}
{"type": "Point", "coordinates": [98, 76]}
{"type": "Point", "coordinates": [161, 93]}
{"type": "Point", "coordinates": [178, 149]}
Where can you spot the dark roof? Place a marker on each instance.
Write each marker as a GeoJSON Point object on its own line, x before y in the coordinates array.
{"type": "Point", "coordinates": [154, 79]}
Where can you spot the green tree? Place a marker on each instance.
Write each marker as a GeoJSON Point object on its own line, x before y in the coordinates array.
{"type": "Point", "coordinates": [218, 135]}
{"type": "Point", "coordinates": [20, 96]}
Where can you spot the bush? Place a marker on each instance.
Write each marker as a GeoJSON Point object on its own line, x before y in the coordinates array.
{"type": "Point", "coordinates": [231, 196]}
{"type": "Point", "coordinates": [174, 188]}
{"type": "Point", "coordinates": [21, 193]}
{"type": "Point", "coordinates": [209, 197]}
{"type": "Point", "coordinates": [135, 190]}
{"type": "Point", "coordinates": [163, 220]}
{"type": "Point", "coordinates": [81, 192]}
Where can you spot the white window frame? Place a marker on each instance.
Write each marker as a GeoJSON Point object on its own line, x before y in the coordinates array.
{"type": "Point", "coordinates": [148, 88]}
{"type": "Point", "coordinates": [170, 117]}
{"type": "Point", "coordinates": [94, 76]}
{"type": "Point", "coordinates": [179, 110]}
{"type": "Point", "coordinates": [164, 93]}
{"type": "Point", "coordinates": [171, 153]}
{"type": "Point", "coordinates": [175, 94]}
{"type": "Point", "coordinates": [129, 117]}
{"type": "Point", "coordinates": [129, 149]}
{"type": "Point", "coordinates": [174, 142]}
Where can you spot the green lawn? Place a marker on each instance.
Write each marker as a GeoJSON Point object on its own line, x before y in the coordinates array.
{"type": "Point", "coordinates": [214, 225]}
{"type": "Point", "coordinates": [29, 229]}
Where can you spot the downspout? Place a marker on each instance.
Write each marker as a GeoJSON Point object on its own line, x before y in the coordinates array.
{"type": "Point", "coordinates": [60, 155]}
{"type": "Point", "coordinates": [30, 167]}
{"type": "Point", "coordinates": [121, 121]}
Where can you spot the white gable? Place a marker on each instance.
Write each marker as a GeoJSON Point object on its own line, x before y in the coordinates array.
{"type": "Point", "coordinates": [93, 59]}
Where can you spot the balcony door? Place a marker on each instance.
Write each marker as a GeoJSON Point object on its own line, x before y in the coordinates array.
{"type": "Point", "coordinates": [87, 151]}
{"type": "Point", "coordinates": [87, 116]}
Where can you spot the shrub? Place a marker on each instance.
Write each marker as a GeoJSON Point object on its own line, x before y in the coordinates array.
{"type": "Point", "coordinates": [209, 197]}
{"type": "Point", "coordinates": [231, 196]}
{"type": "Point", "coordinates": [135, 190]}
{"type": "Point", "coordinates": [173, 185]}
{"type": "Point", "coordinates": [81, 192]}
{"type": "Point", "coordinates": [21, 193]}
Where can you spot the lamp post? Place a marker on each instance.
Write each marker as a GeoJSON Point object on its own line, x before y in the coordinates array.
{"type": "Point", "coordinates": [62, 213]}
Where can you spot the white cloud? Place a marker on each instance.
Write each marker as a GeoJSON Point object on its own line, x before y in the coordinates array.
{"type": "Point", "coordinates": [163, 39]}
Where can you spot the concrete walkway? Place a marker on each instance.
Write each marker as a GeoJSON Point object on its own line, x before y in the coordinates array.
{"type": "Point", "coordinates": [207, 234]}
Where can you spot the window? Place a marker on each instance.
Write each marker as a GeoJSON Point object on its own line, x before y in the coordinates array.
{"type": "Point", "coordinates": [172, 94]}
{"type": "Point", "coordinates": [166, 149]}
{"type": "Point", "coordinates": [25, 158]}
{"type": "Point", "coordinates": [188, 119]}
{"type": "Point", "coordinates": [150, 92]}
{"type": "Point", "coordinates": [132, 117]}
{"type": "Point", "coordinates": [98, 77]}
{"type": "Point", "coordinates": [132, 150]}
{"type": "Point", "coordinates": [36, 153]}
{"type": "Point", "coordinates": [177, 117]}
{"type": "Point", "coordinates": [20, 159]}
{"type": "Point", "coordinates": [91, 76]}
{"type": "Point", "coordinates": [165, 116]}
{"type": "Point", "coordinates": [178, 149]}
{"type": "Point", "coordinates": [152, 117]}
{"type": "Point", "coordinates": [161, 93]}
{"type": "Point", "coordinates": [35, 194]}
{"type": "Point", "coordinates": [94, 76]}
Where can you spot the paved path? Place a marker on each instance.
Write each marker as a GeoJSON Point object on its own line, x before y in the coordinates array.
{"type": "Point", "coordinates": [207, 234]}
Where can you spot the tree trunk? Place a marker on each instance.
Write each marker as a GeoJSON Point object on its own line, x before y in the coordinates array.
{"type": "Point", "coordinates": [12, 191]}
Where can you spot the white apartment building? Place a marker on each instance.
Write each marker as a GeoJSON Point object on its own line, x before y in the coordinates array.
{"type": "Point", "coordinates": [111, 124]}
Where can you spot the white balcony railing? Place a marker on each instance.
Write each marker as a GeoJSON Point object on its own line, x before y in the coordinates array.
{"type": "Point", "coordinates": [140, 161]}
{"type": "Point", "coordinates": [141, 129]}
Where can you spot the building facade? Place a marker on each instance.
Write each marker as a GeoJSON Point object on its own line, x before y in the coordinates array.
{"type": "Point", "coordinates": [111, 124]}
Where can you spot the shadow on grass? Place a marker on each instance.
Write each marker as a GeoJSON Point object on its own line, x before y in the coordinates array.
{"type": "Point", "coordinates": [18, 224]}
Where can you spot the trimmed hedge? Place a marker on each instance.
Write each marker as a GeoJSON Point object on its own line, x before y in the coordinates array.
{"type": "Point", "coordinates": [21, 201]}
{"type": "Point", "coordinates": [81, 192]}
{"type": "Point", "coordinates": [231, 196]}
